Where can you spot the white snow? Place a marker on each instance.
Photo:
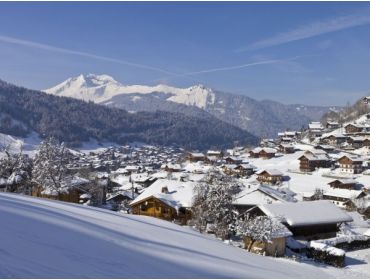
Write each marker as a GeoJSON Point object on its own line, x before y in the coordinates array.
{"type": "Point", "coordinates": [47, 239]}
{"type": "Point", "coordinates": [101, 88]}
{"type": "Point", "coordinates": [307, 212]}
{"type": "Point", "coordinates": [180, 194]}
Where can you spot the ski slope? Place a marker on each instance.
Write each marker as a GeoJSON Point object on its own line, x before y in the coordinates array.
{"type": "Point", "coordinates": [47, 239]}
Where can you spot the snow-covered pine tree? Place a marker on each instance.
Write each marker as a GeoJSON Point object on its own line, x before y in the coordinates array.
{"type": "Point", "coordinates": [212, 203]}
{"type": "Point", "coordinates": [50, 166]}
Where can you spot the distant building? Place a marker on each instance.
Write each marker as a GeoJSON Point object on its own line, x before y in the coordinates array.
{"type": "Point", "coordinates": [270, 176]}
{"type": "Point", "coordinates": [306, 220]}
{"type": "Point", "coordinates": [351, 164]}
{"type": "Point", "coordinates": [265, 153]}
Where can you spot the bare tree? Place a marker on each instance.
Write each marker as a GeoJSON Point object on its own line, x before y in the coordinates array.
{"type": "Point", "coordinates": [212, 203]}
{"type": "Point", "coordinates": [50, 166]}
{"type": "Point", "coordinates": [260, 228]}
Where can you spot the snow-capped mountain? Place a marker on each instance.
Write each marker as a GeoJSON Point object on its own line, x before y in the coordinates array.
{"type": "Point", "coordinates": [101, 88]}
{"type": "Point", "coordinates": [262, 118]}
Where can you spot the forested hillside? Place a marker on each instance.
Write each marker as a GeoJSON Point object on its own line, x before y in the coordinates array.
{"type": "Point", "coordinates": [74, 121]}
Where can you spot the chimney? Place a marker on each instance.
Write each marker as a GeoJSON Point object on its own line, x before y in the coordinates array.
{"type": "Point", "coordinates": [164, 190]}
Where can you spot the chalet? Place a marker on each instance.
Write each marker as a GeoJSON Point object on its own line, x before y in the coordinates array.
{"type": "Point", "coordinates": [212, 153]}
{"type": "Point", "coordinates": [269, 143]}
{"type": "Point", "coordinates": [211, 159]}
{"type": "Point", "coordinates": [165, 199]}
{"type": "Point", "coordinates": [356, 141]}
{"type": "Point", "coordinates": [169, 167]}
{"type": "Point", "coordinates": [120, 199]}
{"type": "Point", "coordinates": [270, 176]}
{"type": "Point", "coordinates": [335, 140]}
{"type": "Point", "coordinates": [366, 143]}
{"type": "Point", "coordinates": [353, 128]}
{"type": "Point", "coordinates": [275, 247]}
{"type": "Point", "coordinates": [325, 148]}
{"type": "Point", "coordinates": [239, 169]}
{"type": "Point", "coordinates": [71, 190]}
{"type": "Point", "coordinates": [233, 160]}
{"type": "Point", "coordinates": [307, 220]}
{"type": "Point", "coordinates": [194, 157]}
{"type": "Point", "coordinates": [348, 184]}
{"type": "Point", "coordinates": [315, 129]}
{"type": "Point", "coordinates": [332, 125]}
{"type": "Point", "coordinates": [351, 164]}
{"type": "Point", "coordinates": [265, 153]}
{"type": "Point", "coordinates": [341, 196]}
{"type": "Point", "coordinates": [310, 160]}
{"type": "Point", "coordinates": [286, 148]}
{"type": "Point", "coordinates": [142, 179]}
{"type": "Point", "coordinates": [255, 195]}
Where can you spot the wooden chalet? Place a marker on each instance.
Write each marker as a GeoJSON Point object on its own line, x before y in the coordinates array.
{"type": "Point", "coordinates": [341, 197]}
{"type": "Point", "coordinates": [348, 184]}
{"type": "Point", "coordinates": [165, 199]}
{"type": "Point", "coordinates": [194, 157]}
{"type": "Point", "coordinates": [332, 125]}
{"type": "Point", "coordinates": [72, 189]}
{"type": "Point", "coordinates": [309, 161]}
{"type": "Point", "coordinates": [254, 195]}
{"type": "Point", "coordinates": [172, 167]}
{"type": "Point", "coordinates": [241, 170]}
{"type": "Point", "coordinates": [265, 153]}
{"type": "Point", "coordinates": [269, 176]}
{"type": "Point", "coordinates": [353, 128]}
{"type": "Point", "coordinates": [325, 148]}
{"type": "Point", "coordinates": [286, 148]}
{"type": "Point", "coordinates": [351, 164]}
{"type": "Point", "coordinates": [335, 140]}
{"type": "Point", "coordinates": [307, 220]}
{"type": "Point", "coordinates": [356, 141]}
{"type": "Point", "coordinates": [275, 247]}
{"type": "Point", "coordinates": [233, 160]}
{"type": "Point", "coordinates": [212, 153]}
{"type": "Point", "coordinates": [315, 129]}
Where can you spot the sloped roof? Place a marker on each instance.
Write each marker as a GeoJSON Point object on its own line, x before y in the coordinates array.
{"type": "Point", "coordinates": [180, 194]}
{"type": "Point", "coordinates": [306, 213]}
{"type": "Point", "coordinates": [272, 172]}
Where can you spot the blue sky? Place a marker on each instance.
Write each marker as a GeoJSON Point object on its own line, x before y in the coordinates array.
{"type": "Point", "coordinates": [293, 52]}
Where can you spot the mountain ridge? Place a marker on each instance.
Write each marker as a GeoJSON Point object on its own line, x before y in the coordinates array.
{"type": "Point", "coordinates": [262, 118]}
{"type": "Point", "coordinates": [75, 121]}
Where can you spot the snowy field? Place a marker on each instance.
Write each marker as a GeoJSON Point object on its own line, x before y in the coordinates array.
{"type": "Point", "coordinates": [48, 239]}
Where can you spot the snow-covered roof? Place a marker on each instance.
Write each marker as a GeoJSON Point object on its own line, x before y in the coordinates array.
{"type": "Point", "coordinates": [272, 172]}
{"type": "Point", "coordinates": [343, 193]}
{"type": "Point", "coordinates": [345, 181]}
{"type": "Point", "coordinates": [267, 150]}
{"type": "Point", "coordinates": [316, 126]}
{"type": "Point", "coordinates": [180, 194]}
{"type": "Point", "coordinates": [306, 212]}
{"type": "Point", "coordinates": [256, 195]}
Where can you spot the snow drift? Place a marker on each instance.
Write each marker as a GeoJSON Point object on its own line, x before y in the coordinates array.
{"type": "Point", "coordinates": [48, 239]}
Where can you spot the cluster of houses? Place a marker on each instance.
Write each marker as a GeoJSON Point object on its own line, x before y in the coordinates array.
{"type": "Point", "coordinates": [159, 181]}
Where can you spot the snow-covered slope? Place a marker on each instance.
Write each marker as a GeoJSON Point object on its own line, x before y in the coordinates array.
{"type": "Point", "coordinates": [100, 88]}
{"type": "Point", "coordinates": [49, 239]}
{"type": "Point", "coordinates": [14, 144]}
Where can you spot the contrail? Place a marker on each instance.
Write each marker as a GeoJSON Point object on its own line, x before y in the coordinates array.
{"type": "Point", "coordinates": [311, 30]}
{"type": "Point", "coordinates": [51, 48]}
{"type": "Point", "coordinates": [228, 68]}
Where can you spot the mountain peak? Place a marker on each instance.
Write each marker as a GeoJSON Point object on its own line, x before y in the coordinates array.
{"type": "Point", "coordinates": [101, 88]}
